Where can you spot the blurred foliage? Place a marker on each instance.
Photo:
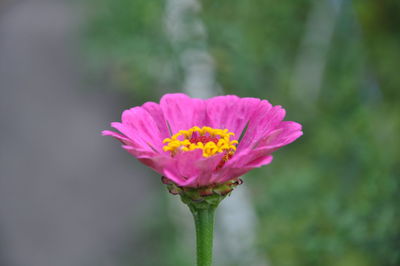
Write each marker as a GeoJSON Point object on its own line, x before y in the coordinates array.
{"type": "Point", "coordinates": [331, 198]}
{"type": "Point", "coordinates": [127, 48]}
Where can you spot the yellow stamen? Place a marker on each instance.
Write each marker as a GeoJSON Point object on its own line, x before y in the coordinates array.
{"type": "Point", "coordinates": [210, 140]}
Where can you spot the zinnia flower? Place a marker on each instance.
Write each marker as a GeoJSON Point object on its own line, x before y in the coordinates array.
{"type": "Point", "coordinates": [199, 143]}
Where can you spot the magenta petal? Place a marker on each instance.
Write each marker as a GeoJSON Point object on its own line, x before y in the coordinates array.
{"type": "Point", "coordinates": [139, 147]}
{"type": "Point", "coordinates": [207, 167]}
{"type": "Point", "coordinates": [256, 154]}
{"type": "Point", "coordinates": [117, 136]}
{"type": "Point", "coordinates": [183, 112]}
{"type": "Point", "coordinates": [264, 120]}
{"type": "Point", "coordinates": [191, 168]}
{"type": "Point", "coordinates": [139, 153]}
{"type": "Point", "coordinates": [227, 174]}
{"type": "Point", "coordinates": [233, 171]}
{"type": "Point", "coordinates": [136, 150]}
{"type": "Point", "coordinates": [260, 161]}
{"type": "Point", "coordinates": [180, 169]}
{"type": "Point", "coordinates": [156, 112]}
{"type": "Point", "coordinates": [139, 126]}
{"type": "Point", "coordinates": [230, 112]}
{"type": "Point", "coordinates": [286, 133]}
{"type": "Point", "coordinates": [185, 164]}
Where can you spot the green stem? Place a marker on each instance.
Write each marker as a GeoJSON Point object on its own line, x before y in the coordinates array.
{"type": "Point", "coordinates": [204, 223]}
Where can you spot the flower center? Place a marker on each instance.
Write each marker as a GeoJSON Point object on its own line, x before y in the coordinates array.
{"type": "Point", "coordinates": [210, 140]}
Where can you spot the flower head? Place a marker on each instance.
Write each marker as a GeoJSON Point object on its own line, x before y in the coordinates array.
{"type": "Point", "coordinates": [199, 143]}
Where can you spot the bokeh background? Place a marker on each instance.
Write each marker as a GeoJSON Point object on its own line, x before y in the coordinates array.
{"type": "Point", "coordinates": [71, 197]}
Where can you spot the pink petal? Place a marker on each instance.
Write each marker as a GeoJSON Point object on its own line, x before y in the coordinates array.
{"type": "Point", "coordinates": [250, 158]}
{"type": "Point", "coordinates": [260, 161]}
{"type": "Point", "coordinates": [117, 136]}
{"type": "Point", "coordinates": [184, 165]}
{"type": "Point", "coordinates": [207, 167]}
{"type": "Point", "coordinates": [265, 119]}
{"type": "Point", "coordinates": [139, 126]}
{"type": "Point", "coordinates": [286, 133]}
{"type": "Point", "coordinates": [234, 171]}
{"type": "Point", "coordinates": [125, 140]}
{"type": "Point", "coordinates": [191, 169]}
{"type": "Point", "coordinates": [230, 112]}
{"type": "Point", "coordinates": [139, 153]}
{"type": "Point", "coordinates": [142, 154]}
{"type": "Point", "coordinates": [258, 152]}
{"type": "Point", "coordinates": [183, 112]}
{"type": "Point", "coordinates": [227, 174]}
{"type": "Point", "coordinates": [156, 112]}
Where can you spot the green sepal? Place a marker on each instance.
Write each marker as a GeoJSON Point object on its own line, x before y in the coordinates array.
{"type": "Point", "coordinates": [202, 197]}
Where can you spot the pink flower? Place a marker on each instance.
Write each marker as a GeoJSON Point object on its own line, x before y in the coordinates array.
{"type": "Point", "coordinates": [197, 143]}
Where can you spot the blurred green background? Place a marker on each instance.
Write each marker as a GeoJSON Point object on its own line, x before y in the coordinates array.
{"type": "Point", "coordinates": [330, 198]}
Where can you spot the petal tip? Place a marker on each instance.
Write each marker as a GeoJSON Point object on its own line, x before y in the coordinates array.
{"type": "Point", "coordinates": [106, 133]}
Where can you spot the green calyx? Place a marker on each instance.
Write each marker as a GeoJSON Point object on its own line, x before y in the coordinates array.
{"type": "Point", "coordinates": [202, 197]}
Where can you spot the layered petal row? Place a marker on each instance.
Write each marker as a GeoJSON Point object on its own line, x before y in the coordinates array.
{"type": "Point", "coordinates": [257, 126]}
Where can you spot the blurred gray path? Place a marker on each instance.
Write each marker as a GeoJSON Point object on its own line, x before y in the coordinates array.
{"type": "Point", "coordinates": [67, 194]}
